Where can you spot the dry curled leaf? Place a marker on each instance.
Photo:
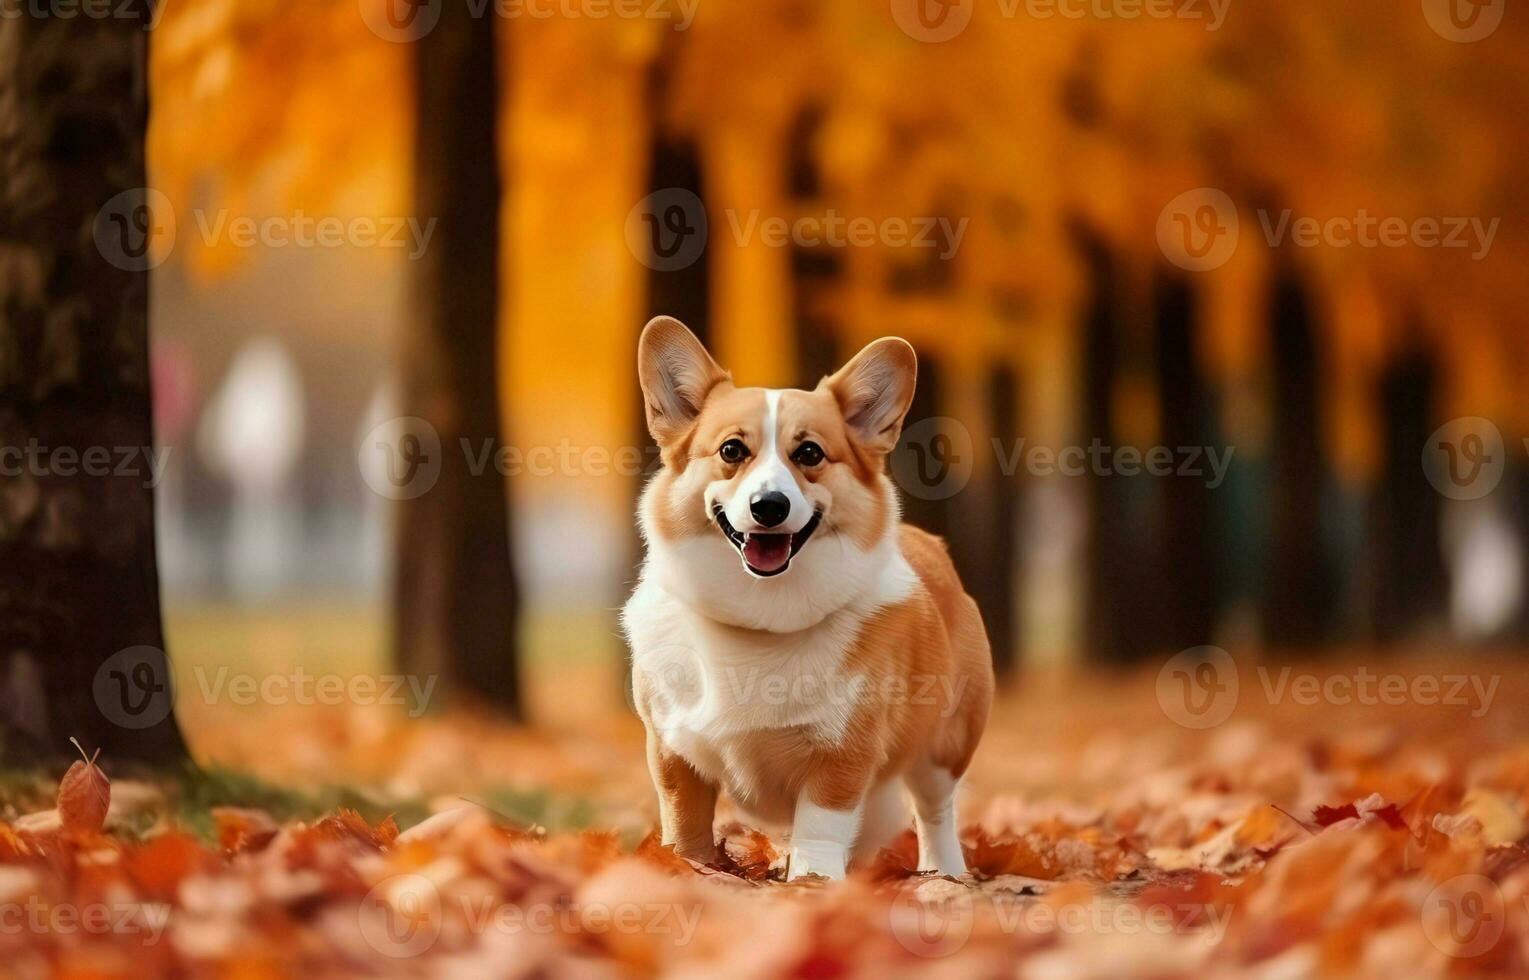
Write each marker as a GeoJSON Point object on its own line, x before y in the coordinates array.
{"type": "Point", "coordinates": [746, 853]}
{"type": "Point", "coordinates": [242, 829]}
{"type": "Point", "coordinates": [84, 795]}
{"type": "Point", "coordinates": [347, 824]}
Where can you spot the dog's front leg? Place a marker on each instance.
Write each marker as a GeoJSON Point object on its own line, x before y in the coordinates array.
{"type": "Point", "coordinates": [826, 822]}
{"type": "Point", "coordinates": [687, 803]}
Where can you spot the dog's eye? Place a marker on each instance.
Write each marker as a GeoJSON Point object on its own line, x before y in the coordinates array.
{"type": "Point", "coordinates": [734, 451]}
{"type": "Point", "coordinates": [808, 454]}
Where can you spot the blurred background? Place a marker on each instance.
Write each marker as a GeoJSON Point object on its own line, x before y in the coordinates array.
{"type": "Point", "coordinates": [1219, 308]}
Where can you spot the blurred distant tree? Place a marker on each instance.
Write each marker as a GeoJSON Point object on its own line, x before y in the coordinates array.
{"type": "Point", "coordinates": [78, 581]}
{"type": "Point", "coordinates": [1409, 581]}
{"type": "Point", "coordinates": [1297, 609]}
{"type": "Point", "coordinates": [1113, 583]}
{"type": "Point", "coordinates": [674, 162]}
{"type": "Point", "coordinates": [1186, 575]}
{"type": "Point", "coordinates": [456, 597]}
{"type": "Point", "coordinates": [986, 539]}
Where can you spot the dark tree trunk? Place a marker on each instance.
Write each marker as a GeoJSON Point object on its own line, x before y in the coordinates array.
{"type": "Point", "coordinates": [81, 639]}
{"type": "Point", "coordinates": [1410, 580]}
{"type": "Point", "coordinates": [683, 293]}
{"type": "Point", "coordinates": [1119, 599]}
{"type": "Point", "coordinates": [921, 508]}
{"type": "Point", "coordinates": [1187, 574]}
{"type": "Point", "coordinates": [456, 596]}
{"type": "Point", "coordinates": [1297, 609]}
{"type": "Point", "coordinates": [985, 526]}
{"type": "Point", "coordinates": [813, 273]}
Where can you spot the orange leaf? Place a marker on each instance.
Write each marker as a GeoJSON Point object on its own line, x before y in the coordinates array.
{"type": "Point", "coordinates": [84, 795]}
{"type": "Point", "coordinates": [347, 824]}
{"type": "Point", "coordinates": [990, 857]}
{"type": "Point", "coordinates": [241, 829]}
{"type": "Point", "coordinates": [746, 853]}
{"type": "Point", "coordinates": [662, 855]}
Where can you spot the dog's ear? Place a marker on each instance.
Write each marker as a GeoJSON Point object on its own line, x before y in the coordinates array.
{"type": "Point", "coordinates": [875, 391]}
{"type": "Point", "coordinates": [676, 374]}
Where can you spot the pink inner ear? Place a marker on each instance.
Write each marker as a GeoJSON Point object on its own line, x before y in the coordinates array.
{"type": "Point", "coordinates": [874, 399]}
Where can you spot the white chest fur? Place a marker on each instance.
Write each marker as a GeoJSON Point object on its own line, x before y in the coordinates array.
{"type": "Point", "coordinates": [712, 688]}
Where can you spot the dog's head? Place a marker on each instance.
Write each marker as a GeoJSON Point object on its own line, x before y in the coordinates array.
{"type": "Point", "coordinates": [774, 475]}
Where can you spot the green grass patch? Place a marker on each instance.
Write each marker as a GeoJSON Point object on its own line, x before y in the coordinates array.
{"type": "Point", "coordinates": [187, 802]}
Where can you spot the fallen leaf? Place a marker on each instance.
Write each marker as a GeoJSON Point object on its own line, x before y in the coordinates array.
{"type": "Point", "coordinates": [84, 795]}
{"type": "Point", "coordinates": [242, 829]}
{"type": "Point", "coordinates": [1499, 818]}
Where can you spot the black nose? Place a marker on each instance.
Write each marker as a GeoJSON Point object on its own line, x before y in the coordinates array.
{"type": "Point", "coordinates": [769, 508]}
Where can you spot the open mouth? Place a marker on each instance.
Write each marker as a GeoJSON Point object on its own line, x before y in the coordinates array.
{"type": "Point", "coordinates": [767, 554]}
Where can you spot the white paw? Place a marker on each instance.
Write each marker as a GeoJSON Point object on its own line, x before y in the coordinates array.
{"type": "Point", "coordinates": [821, 858]}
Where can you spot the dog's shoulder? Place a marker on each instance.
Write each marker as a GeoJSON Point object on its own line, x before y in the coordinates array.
{"type": "Point", "coordinates": [929, 557]}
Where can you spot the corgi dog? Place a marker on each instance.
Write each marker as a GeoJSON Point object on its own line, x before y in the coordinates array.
{"type": "Point", "coordinates": [793, 642]}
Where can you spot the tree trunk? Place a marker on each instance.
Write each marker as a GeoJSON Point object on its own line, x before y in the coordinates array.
{"type": "Point", "coordinates": [984, 541]}
{"type": "Point", "coordinates": [1411, 584]}
{"type": "Point", "coordinates": [456, 598]}
{"type": "Point", "coordinates": [1297, 609]}
{"type": "Point", "coordinates": [81, 639]}
{"type": "Point", "coordinates": [1119, 599]}
{"type": "Point", "coordinates": [1187, 575]}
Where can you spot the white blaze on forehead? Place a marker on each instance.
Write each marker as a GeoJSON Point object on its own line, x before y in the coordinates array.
{"type": "Point", "coordinates": [768, 471]}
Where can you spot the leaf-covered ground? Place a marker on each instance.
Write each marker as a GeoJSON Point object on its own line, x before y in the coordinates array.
{"type": "Point", "coordinates": [1342, 834]}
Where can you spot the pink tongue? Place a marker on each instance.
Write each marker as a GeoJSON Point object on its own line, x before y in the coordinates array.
{"type": "Point", "coordinates": [767, 552]}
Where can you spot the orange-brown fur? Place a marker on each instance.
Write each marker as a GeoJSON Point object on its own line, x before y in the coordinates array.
{"type": "Point", "coordinates": [930, 646]}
